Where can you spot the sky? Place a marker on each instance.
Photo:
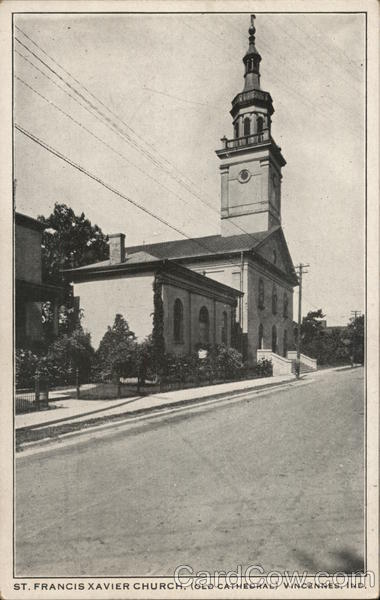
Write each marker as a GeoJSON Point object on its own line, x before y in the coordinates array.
{"type": "Point", "coordinates": [160, 88]}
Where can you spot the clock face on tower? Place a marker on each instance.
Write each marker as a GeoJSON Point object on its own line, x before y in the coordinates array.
{"type": "Point", "coordinates": [244, 176]}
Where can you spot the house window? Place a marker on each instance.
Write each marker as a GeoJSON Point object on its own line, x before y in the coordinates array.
{"type": "Point", "coordinates": [236, 129]}
{"type": "Point", "coordinates": [261, 294]}
{"type": "Point", "coordinates": [224, 328]}
{"type": "Point", "coordinates": [274, 300]}
{"type": "Point", "coordinates": [261, 336]}
{"type": "Point", "coordinates": [286, 306]}
{"type": "Point", "coordinates": [204, 326]}
{"type": "Point", "coordinates": [178, 321]}
{"type": "Point", "coordinates": [247, 126]}
{"type": "Point", "coordinates": [285, 343]}
{"type": "Point", "coordinates": [274, 339]}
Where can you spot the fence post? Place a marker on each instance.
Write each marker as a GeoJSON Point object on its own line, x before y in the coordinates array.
{"type": "Point", "coordinates": [37, 387]}
{"type": "Point", "coordinates": [118, 387]}
{"type": "Point", "coordinates": [77, 384]}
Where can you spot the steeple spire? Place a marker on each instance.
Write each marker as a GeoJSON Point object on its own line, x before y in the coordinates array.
{"type": "Point", "coordinates": [251, 61]}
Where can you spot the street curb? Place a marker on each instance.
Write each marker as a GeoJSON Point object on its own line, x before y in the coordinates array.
{"type": "Point", "coordinates": [152, 408]}
{"type": "Point", "coordinates": [147, 412]}
{"type": "Point", "coordinates": [65, 419]}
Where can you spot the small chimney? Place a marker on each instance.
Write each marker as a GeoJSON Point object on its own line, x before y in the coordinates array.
{"type": "Point", "coordinates": [117, 248]}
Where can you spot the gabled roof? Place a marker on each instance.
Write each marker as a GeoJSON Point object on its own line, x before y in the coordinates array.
{"type": "Point", "coordinates": [202, 246]}
{"type": "Point", "coordinates": [188, 250]}
{"type": "Point", "coordinates": [132, 259]}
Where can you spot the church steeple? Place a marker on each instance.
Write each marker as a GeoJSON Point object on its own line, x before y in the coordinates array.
{"type": "Point", "coordinates": [251, 62]}
{"type": "Point", "coordinates": [251, 160]}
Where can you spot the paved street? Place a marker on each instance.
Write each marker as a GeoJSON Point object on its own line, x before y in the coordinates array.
{"type": "Point", "coordinates": [275, 480]}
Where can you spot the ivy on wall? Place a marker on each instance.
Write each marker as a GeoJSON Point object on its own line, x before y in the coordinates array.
{"type": "Point", "coordinates": [158, 340]}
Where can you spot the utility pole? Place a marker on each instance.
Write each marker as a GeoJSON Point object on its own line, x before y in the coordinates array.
{"type": "Point", "coordinates": [355, 314]}
{"type": "Point", "coordinates": [300, 271]}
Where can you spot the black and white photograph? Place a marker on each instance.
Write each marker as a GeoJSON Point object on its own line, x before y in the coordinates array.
{"type": "Point", "coordinates": [191, 304]}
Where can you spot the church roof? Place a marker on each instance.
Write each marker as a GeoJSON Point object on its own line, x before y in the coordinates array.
{"type": "Point", "coordinates": [188, 250]}
{"type": "Point", "coordinates": [202, 246]}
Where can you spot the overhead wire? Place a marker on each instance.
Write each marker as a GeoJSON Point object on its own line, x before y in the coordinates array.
{"type": "Point", "coordinates": [50, 102]}
{"type": "Point", "coordinates": [94, 135]}
{"type": "Point", "coordinates": [149, 144]}
{"type": "Point", "coordinates": [118, 193]}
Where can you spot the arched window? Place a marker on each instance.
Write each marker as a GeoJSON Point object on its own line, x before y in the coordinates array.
{"type": "Point", "coordinates": [178, 321]}
{"type": "Point", "coordinates": [274, 300]}
{"type": "Point", "coordinates": [204, 326]}
{"type": "Point", "coordinates": [286, 306]}
{"type": "Point", "coordinates": [260, 124]}
{"type": "Point", "coordinates": [247, 126]}
{"type": "Point", "coordinates": [261, 294]}
{"type": "Point", "coordinates": [236, 129]}
{"type": "Point", "coordinates": [224, 328]}
{"type": "Point", "coordinates": [285, 343]}
{"type": "Point", "coordinates": [261, 336]}
{"type": "Point", "coordinates": [274, 339]}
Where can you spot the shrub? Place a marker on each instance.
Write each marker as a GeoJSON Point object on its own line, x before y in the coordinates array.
{"type": "Point", "coordinates": [66, 354]}
{"type": "Point", "coordinates": [264, 368]}
{"type": "Point", "coordinates": [116, 355]}
{"type": "Point", "coordinates": [26, 366]}
{"type": "Point", "coordinates": [228, 362]}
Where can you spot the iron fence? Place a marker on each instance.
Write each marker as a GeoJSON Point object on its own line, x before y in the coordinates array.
{"type": "Point", "coordinates": [29, 399]}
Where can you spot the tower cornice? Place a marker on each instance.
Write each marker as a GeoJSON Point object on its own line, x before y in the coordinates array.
{"type": "Point", "coordinates": [252, 97]}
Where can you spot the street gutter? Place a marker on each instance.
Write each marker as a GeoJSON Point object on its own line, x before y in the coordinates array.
{"type": "Point", "coordinates": [103, 425]}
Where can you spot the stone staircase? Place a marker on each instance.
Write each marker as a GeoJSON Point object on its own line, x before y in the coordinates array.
{"type": "Point", "coordinates": [307, 364]}
{"type": "Point", "coordinates": [287, 366]}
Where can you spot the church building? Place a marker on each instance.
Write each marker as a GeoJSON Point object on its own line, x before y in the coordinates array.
{"type": "Point", "coordinates": [246, 273]}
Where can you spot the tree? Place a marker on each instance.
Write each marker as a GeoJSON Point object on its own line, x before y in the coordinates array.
{"type": "Point", "coordinates": [312, 334]}
{"type": "Point", "coordinates": [70, 241]}
{"type": "Point", "coordinates": [355, 336]}
{"type": "Point", "coordinates": [116, 355]}
{"type": "Point", "coordinates": [69, 352]}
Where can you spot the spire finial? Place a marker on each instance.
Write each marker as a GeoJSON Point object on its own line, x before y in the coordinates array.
{"type": "Point", "coordinates": [252, 31]}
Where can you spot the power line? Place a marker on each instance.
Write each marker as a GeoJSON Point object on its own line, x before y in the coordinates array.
{"type": "Point", "coordinates": [110, 124]}
{"type": "Point", "coordinates": [102, 104]}
{"type": "Point", "coordinates": [93, 107]}
{"type": "Point", "coordinates": [85, 171]}
{"type": "Point", "coordinates": [51, 103]}
{"type": "Point", "coordinates": [105, 143]}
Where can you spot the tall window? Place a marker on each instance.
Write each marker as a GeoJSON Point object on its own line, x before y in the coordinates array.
{"type": "Point", "coordinates": [178, 321]}
{"type": "Point", "coordinates": [261, 336]}
{"type": "Point", "coordinates": [274, 300]}
{"type": "Point", "coordinates": [224, 328]}
{"type": "Point", "coordinates": [260, 124]}
{"type": "Point", "coordinates": [286, 306]}
{"type": "Point", "coordinates": [261, 294]}
{"type": "Point", "coordinates": [274, 339]}
{"type": "Point", "coordinates": [236, 129]}
{"type": "Point", "coordinates": [247, 126]}
{"type": "Point", "coordinates": [285, 343]}
{"type": "Point", "coordinates": [204, 326]}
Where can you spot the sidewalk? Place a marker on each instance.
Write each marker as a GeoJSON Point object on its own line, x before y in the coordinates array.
{"type": "Point", "coordinates": [72, 410]}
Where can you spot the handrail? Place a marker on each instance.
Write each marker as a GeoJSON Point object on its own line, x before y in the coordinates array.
{"type": "Point", "coordinates": [247, 140]}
